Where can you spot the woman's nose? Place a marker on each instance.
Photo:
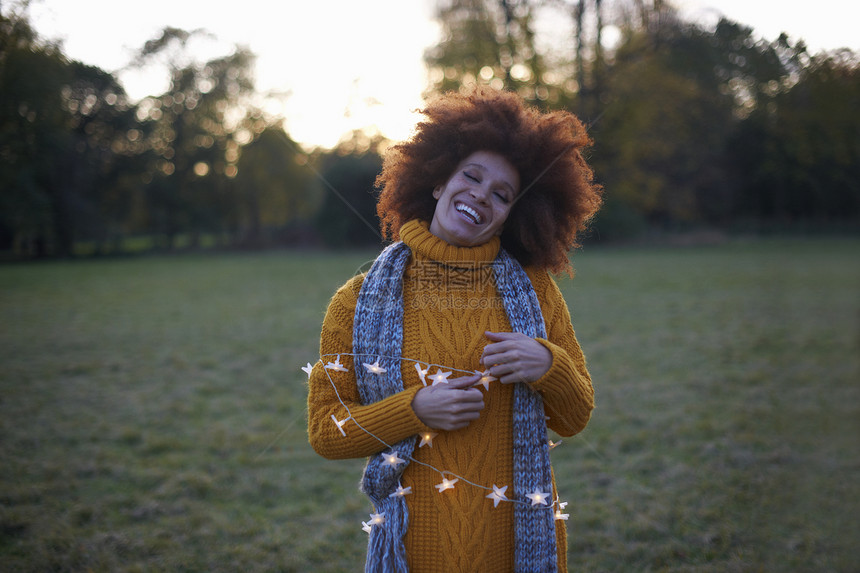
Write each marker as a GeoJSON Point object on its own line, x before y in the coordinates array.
{"type": "Point", "coordinates": [479, 193]}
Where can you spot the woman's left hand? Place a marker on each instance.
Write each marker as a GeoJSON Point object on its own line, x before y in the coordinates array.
{"type": "Point", "coordinates": [515, 357]}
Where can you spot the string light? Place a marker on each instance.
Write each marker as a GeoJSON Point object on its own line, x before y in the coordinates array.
{"type": "Point", "coordinates": [440, 377]}
{"type": "Point", "coordinates": [401, 491]}
{"type": "Point", "coordinates": [497, 495]}
{"type": "Point", "coordinates": [538, 497]}
{"type": "Point", "coordinates": [375, 368]}
{"type": "Point", "coordinates": [336, 365]}
{"type": "Point", "coordinates": [560, 505]}
{"type": "Point", "coordinates": [422, 372]}
{"type": "Point", "coordinates": [392, 460]}
{"type": "Point", "coordinates": [340, 423]}
{"type": "Point", "coordinates": [446, 484]}
{"type": "Point", "coordinates": [486, 378]}
{"type": "Point", "coordinates": [427, 439]}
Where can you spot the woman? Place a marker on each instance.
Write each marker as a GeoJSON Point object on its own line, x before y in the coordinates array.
{"type": "Point", "coordinates": [447, 362]}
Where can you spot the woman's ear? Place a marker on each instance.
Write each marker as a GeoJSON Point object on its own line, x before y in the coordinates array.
{"type": "Point", "coordinates": [437, 192]}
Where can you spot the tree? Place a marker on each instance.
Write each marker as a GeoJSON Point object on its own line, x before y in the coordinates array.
{"type": "Point", "coordinates": [101, 163]}
{"type": "Point", "coordinates": [273, 187]}
{"type": "Point", "coordinates": [63, 127]}
{"type": "Point", "coordinates": [193, 131]}
{"type": "Point", "coordinates": [33, 134]}
{"type": "Point", "coordinates": [79, 163]}
{"type": "Point", "coordinates": [489, 42]}
{"type": "Point", "coordinates": [661, 140]}
{"type": "Point", "coordinates": [679, 93]}
{"type": "Point", "coordinates": [347, 215]}
{"type": "Point", "coordinates": [798, 157]}
{"type": "Point", "coordinates": [589, 64]}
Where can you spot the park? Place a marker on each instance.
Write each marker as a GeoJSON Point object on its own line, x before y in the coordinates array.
{"type": "Point", "coordinates": [166, 263]}
{"type": "Point", "coordinates": [153, 412]}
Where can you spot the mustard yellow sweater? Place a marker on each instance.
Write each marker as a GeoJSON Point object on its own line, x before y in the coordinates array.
{"type": "Point", "coordinates": [449, 302]}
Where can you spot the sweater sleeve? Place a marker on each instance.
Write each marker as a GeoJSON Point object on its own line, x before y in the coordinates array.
{"type": "Point", "coordinates": [566, 388]}
{"type": "Point", "coordinates": [333, 394]}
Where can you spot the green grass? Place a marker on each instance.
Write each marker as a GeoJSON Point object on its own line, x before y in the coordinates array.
{"type": "Point", "coordinates": [152, 413]}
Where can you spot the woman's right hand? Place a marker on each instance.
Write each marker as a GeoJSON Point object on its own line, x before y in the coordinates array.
{"type": "Point", "coordinates": [450, 406]}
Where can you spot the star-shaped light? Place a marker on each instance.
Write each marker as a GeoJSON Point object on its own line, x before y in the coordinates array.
{"type": "Point", "coordinates": [401, 491]}
{"type": "Point", "coordinates": [498, 495]}
{"type": "Point", "coordinates": [376, 519]}
{"type": "Point", "coordinates": [446, 484]}
{"type": "Point", "coordinates": [366, 526]}
{"type": "Point", "coordinates": [340, 423]}
{"type": "Point", "coordinates": [486, 378]}
{"type": "Point", "coordinates": [427, 439]}
{"type": "Point", "coordinates": [336, 365]}
{"type": "Point", "coordinates": [422, 373]}
{"type": "Point", "coordinates": [553, 444]}
{"type": "Point", "coordinates": [440, 377]}
{"type": "Point", "coordinates": [392, 460]}
{"type": "Point", "coordinates": [375, 368]}
{"type": "Point", "coordinates": [308, 369]}
{"type": "Point", "coordinates": [560, 505]}
{"type": "Point", "coordinates": [538, 497]}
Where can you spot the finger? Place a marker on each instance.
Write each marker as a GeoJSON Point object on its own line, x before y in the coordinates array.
{"type": "Point", "coordinates": [499, 336]}
{"type": "Point", "coordinates": [470, 399]}
{"type": "Point", "coordinates": [502, 369]}
{"type": "Point", "coordinates": [464, 381]}
{"type": "Point", "coordinates": [466, 415]}
{"type": "Point", "coordinates": [495, 347]}
{"type": "Point", "coordinates": [507, 342]}
{"type": "Point", "coordinates": [470, 407]}
{"type": "Point", "coordinates": [506, 365]}
{"type": "Point", "coordinates": [456, 400]}
{"type": "Point", "coordinates": [513, 376]}
{"type": "Point", "coordinates": [504, 355]}
{"type": "Point", "coordinates": [493, 353]}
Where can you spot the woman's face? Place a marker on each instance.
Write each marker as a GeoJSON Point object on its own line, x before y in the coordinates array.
{"type": "Point", "coordinates": [473, 205]}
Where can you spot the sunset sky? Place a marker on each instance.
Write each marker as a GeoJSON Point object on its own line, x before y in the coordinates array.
{"type": "Point", "coordinates": [345, 64]}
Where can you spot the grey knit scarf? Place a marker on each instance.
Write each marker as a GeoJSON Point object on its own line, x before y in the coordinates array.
{"type": "Point", "coordinates": [378, 335]}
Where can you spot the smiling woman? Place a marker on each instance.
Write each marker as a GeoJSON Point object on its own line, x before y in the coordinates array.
{"type": "Point", "coordinates": [554, 196]}
{"type": "Point", "coordinates": [485, 198]}
{"type": "Point", "coordinates": [474, 203]}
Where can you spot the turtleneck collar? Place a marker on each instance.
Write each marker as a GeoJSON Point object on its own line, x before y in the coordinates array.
{"type": "Point", "coordinates": [417, 236]}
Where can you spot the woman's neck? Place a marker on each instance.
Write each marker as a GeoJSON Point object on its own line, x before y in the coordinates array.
{"type": "Point", "coordinates": [424, 244]}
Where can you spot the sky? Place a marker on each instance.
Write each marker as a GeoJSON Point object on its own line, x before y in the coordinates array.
{"type": "Point", "coordinates": [332, 66]}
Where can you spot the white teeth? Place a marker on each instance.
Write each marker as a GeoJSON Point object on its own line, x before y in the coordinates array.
{"type": "Point", "coordinates": [469, 211]}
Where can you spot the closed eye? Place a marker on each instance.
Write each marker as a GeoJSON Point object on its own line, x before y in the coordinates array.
{"type": "Point", "coordinates": [503, 198]}
{"type": "Point", "coordinates": [471, 177]}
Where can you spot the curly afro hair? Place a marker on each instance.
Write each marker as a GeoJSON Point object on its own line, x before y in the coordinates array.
{"type": "Point", "coordinates": [558, 196]}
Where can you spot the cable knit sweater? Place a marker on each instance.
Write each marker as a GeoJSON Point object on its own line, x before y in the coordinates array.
{"type": "Point", "coordinates": [449, 302]}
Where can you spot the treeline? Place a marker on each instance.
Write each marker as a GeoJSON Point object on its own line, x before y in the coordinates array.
{"type": "Point", "coordinates": [693, 128]}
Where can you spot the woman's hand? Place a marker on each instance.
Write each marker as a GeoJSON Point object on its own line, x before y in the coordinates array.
{"type": "Point", "coordinates": [449, 406]}
{"type": "Point", "coordinates": [515, 357]}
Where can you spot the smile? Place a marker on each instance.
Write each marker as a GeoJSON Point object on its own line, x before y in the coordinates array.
{"type": "Point", "coordinates": [469, 212]}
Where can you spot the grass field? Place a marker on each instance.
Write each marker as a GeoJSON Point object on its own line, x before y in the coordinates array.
{"type": "Point", "coordinates": [152, 413]}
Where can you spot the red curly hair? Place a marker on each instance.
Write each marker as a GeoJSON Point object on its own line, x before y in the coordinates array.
{"type": "Point", "coordinates": [558, 195]}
